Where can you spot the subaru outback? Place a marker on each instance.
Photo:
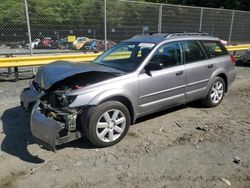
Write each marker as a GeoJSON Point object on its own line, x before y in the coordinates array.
{"type": "Point", "coordinates": [144, 74]}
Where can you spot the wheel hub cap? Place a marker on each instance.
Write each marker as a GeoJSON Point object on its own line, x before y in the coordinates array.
{"type": "Point", "coordinates": [217, 92]}
{"type": "Point", "coordinates": [111, 125]}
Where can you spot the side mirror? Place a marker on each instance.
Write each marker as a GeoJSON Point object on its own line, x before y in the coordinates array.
{"type": "Point", "coordinates": [154, 65]}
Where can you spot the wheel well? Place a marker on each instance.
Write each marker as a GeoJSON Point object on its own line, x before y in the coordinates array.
{"type": "Point", "coordinates": [224, 77]}
{"type": "Point", "coordinates": [124, 101]}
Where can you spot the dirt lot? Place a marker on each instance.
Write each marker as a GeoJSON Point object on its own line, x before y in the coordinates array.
{"type": "Point", "coordinates": [188, 146]}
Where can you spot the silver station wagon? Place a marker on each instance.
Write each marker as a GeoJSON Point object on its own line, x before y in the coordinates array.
{"type": "Point", "coordinates": [139, 76]}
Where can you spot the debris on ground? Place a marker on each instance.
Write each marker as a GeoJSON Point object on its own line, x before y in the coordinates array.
{"type": "Point", "coordinates": [204, 128]}
{"type": "Point", "coordinates": [197, 147]}
{"type": "Point", "coordinates": [78, 163]}
{"type": "Point", "coordinates": [236, 160]}
{"type": "Point", "coordinates": [178, 125]}
{"type": "Point", "coordinates": [226, 181]}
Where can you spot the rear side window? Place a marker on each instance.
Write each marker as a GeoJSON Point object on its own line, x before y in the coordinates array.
{"type": "Point", "coordinates": [193, 51]}
{"type": "Point", "coordinates": [214, 48]}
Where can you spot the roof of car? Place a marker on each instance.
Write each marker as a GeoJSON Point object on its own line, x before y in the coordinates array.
{"type": "Point", "coordinates": [159, 37]}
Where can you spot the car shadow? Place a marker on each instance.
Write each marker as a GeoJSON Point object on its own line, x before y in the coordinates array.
{"type": "Point", "coordinates": [81, 143]}
{"type": "Point", "coordinates": [16, 127]}
{"type": "Point", "coordinates": [15, 122]}
{"type": "Point", "coordinates": [194, 104]}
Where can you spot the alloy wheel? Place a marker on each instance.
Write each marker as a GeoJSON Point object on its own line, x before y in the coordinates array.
{"type": "Point", "coordinates": [217, 92]}
{"type": "Point", "coordinates": [111, 125]}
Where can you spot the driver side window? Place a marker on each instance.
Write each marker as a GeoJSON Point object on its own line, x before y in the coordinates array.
{"type": "Point", "coordinates": [168, 54]}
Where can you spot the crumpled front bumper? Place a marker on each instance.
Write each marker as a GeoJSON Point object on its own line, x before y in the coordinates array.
{"type": "Point", "coordinates": [28, 97]}
{"type": "Point", "coordinates": [45, 130]}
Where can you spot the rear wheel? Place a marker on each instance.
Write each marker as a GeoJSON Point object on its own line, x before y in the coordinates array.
{"type": "Point", "coordinates": [108, 124]}
{"type": "Point", "coordinates": [215, 94]}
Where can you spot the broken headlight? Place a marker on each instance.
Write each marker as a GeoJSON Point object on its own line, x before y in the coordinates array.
{"type": "Point", "coordinates": [59, 99]}
{"type": "Point", "coordinates": [63, 100]}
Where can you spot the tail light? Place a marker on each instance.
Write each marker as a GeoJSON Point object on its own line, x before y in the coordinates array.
{"type": "Point", "coordinates": [233, 59]}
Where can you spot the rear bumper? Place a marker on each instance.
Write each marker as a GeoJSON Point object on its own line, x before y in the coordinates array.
{"type": "Point", "coordinates": [46, 131]}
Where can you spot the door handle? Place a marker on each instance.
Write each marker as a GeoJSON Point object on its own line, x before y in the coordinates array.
{"type": "Point", "coordinates": [179, 73]}
{"type": "Point", "coordinates": [210, 66]}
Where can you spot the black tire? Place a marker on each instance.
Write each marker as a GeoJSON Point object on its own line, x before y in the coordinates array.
{"type": "Point", "coordinates": [93, 116]}
{"type": "Point", "coordinates": [208, 102]}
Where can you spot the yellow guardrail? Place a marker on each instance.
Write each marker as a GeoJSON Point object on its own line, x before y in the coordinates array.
{"type": "Point", "coordinates": [41, 60]}
{"type": "Point", "coordinates": [232, 48]}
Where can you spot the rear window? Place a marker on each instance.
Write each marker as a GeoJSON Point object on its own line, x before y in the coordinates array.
{"type": "Point", "coordinates": [214, 48]}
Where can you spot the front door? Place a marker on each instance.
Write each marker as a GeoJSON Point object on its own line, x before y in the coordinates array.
{"type": "Point", "coordinates": [164, 87]}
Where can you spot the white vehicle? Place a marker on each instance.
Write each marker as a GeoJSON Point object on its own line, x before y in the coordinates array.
{"type": "Point", "coordinates": [34, 44]}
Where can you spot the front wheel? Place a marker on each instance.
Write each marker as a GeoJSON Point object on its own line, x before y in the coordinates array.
{"type": "Point", "coordinates": [215, 93]}
{"type": "Point", "coordinates": [108, 123]}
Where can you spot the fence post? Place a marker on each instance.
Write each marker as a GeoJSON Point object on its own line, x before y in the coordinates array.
{"type": "Point", "coordinates": [29, 32]}
{"type": "Point", "coordinates": [105, 24]}
{"type": "Point", "coordinates": [201, 18]}
{"type": "Point", "coordinates": [160, 19]}
{"type": "Point", "coordinates": [231, 28]}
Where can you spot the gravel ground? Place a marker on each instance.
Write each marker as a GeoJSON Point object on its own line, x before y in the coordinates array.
{"type": "Point", "coordinates": [186, 146]}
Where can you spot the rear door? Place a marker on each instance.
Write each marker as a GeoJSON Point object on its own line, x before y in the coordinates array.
{"type": "Point", "coordinates": [198, 69]}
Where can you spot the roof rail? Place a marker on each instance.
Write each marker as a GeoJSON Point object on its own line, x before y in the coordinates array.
{"type": "Point", "coordinates": [187, 34]}
{"type": "Point", "coordinates": [174, 34]}
{"type": "Point", "coordinates": [151, 33]}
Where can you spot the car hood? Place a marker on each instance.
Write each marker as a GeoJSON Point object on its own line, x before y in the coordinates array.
{"type": "Point", "coordinates": [51, 73]}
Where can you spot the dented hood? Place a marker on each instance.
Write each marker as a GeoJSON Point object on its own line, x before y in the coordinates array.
{"type": "Point", "coordinates": [51, 73]}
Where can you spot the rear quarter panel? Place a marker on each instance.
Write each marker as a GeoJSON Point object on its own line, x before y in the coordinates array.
{"type": "Point", "coordinates": [225, 66]}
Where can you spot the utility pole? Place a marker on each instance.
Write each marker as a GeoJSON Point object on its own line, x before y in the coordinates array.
{"type": "Point", "coordinates": [105, 23]}
{"type": "Point", "coordinates": [29, 32]}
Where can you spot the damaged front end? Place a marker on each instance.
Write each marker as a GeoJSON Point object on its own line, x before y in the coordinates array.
{"type": "Point", "coordinates": [53, 121]}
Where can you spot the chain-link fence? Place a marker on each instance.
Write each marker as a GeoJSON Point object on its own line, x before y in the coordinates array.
{"type": "Point", "coordinates": [50, 23]}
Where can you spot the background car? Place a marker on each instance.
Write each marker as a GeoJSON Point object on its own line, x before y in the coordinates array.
{"type": "Point", "coordinates": [34, 44]}
{"type": "Point", "coordinates": [63, 43]}
{"type": "Point", "coordinates": [101, 44]}
{"type": "Point", "coordinates": [246, 56]}
{"type": "Point", "coordinates": [90, 45]}
{"type": "Point", "coordinates": [79, 43]}
{"type": "Point", "coordinates": [46, 42]}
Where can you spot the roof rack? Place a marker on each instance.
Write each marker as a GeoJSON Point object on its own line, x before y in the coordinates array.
{"type": "Point", "coordinates": [187, 34]}
{"type": "Point", "coordinates": [151, 33]}
{"type": "Point", "coordinates": [174, 34]}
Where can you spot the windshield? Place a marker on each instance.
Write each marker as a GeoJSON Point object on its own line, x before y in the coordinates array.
{"type": "Point", "coordinates": [125, 56]}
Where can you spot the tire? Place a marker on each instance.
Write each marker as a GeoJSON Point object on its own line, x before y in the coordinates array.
{"type": "Point", "coordinates": [215, 94]}
{"type": "Point", "coordinates": [107, 123]}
